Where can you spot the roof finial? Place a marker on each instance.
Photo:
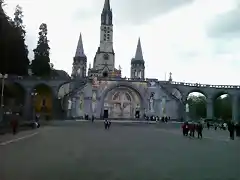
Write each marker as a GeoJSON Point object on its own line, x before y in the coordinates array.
{"type": "Point", "coordinates": [139, 55]}
{"type": "Point", "coordinates": [80, 50]}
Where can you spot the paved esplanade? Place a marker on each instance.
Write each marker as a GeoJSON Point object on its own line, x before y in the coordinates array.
{"type": "Point", "coordinates": [76, 150]}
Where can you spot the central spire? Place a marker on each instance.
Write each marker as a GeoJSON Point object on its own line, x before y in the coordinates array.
{"type": "Point", "coordinates": [80, 50]}
{"type": "Point", "coordinates": [106, 6]}
{"type": "Point", "coordinates": [139, 55]}
{"type": "Point", "coordinates": [106, 16]}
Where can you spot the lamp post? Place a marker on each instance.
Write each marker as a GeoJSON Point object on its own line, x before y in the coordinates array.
{"type": "Point", "coordinates": [2, 77]}
{"type": "Point", "coordinates": [34, 94]}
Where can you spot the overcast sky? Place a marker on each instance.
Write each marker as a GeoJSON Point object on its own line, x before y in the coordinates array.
{"type": "Point", "coordinates": [196, 40]}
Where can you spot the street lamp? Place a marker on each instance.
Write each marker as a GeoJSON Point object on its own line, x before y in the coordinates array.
{"type": "Point", "coordinates": [34, 94]}
{"type": "Point", "coordinates": [2, 77]}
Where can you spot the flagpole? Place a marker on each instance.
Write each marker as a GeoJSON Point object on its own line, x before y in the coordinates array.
{"type": "Point", "coordinates": [165, 76]}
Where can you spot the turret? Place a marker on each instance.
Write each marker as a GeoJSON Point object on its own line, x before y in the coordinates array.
{"type": "Point", "coordinates": [137, 63]}
{"type": "Point", "coordinates": [79, 61]}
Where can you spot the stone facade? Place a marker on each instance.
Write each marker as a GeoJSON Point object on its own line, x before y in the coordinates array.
{"type": "Point", "coordinates": [106, 92]}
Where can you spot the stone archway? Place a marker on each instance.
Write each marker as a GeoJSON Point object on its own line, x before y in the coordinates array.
{"type": "Point", "coordinates": [222, 105]}
{"type": "Point", "coordinates": [42, 98]}
{"type": "Point", "coordinates": [13, 97]}
{"type": "Point", "coordinates": [122, 101]}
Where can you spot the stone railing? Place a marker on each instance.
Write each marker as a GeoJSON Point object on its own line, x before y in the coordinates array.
{"type": "Point", "coordinates": [31, 78]}
{"type": "Point", "coordinates": [11, 77]}
{"type": "Point", "coordinates": [122, 79]}
{"type": "Point", "coordinates": [205, 85]}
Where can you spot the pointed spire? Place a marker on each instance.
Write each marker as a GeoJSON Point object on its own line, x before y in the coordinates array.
{"type": "Point", "coordinates": [80, 50]}
{"type": "Point", "coordinates": [106, 6]}
{"type": "Point", "coordinates": [139, 55]}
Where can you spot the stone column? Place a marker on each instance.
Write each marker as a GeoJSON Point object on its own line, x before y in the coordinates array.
{"type": "Point", "coordinates": [88, 106]}
{"type": "Point", "coordinates": [210, 108]}
{"type": "Point", "coordinates": [182, 109]}
{"type": "Point", "coordinates": [55, 103]}
{"type": "Point", "coordinates": [73, 107]}
{"type": "Point", "coordinates": [77, 108]}
{"type": "Point", "coordinates": [28, 105]}
{"type": "Point", "coordinates": [235, 108]}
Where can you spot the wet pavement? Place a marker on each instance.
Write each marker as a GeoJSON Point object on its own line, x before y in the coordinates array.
{"type": "Point", "coordinates": [84, 150]}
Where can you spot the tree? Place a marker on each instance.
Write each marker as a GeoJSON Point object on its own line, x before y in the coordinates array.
{"type": "Point", "coordinates": [223, 108]}
{"type": "Point", "coordinates": [18, 22]}
{"type": "Point", "coordinates": [197, 107]}
{"type": "Point", "coordinates": [19, 48]}
{"type": "Point", "coordinates": [41, 62]}
{"type": "Point", "coordinates": [4, 29]}
{"type": "Point", "coordinates": [13, 51]}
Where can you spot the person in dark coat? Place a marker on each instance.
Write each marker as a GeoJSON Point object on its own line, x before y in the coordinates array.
{"type": "Point", "coordinates": [192, 129]}
{"type": "Point", "coordinates": [14, 125]}
{"type": "Point", "coordinates": [199, 129]}
{"type": "Point", "coordinates": [109, 124]}
{"type": "Point", "coordinates": [93, 118]}
{"type": "Point", "coordinates": [231, 129]}
{"type": "Point", "coordinates": [208, 125]}
{"type": "Point", "coordinates": [185, 128]}
{"type": "Point", "coordinates": [106, 124]}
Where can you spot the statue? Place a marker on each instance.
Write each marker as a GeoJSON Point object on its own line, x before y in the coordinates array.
{"type": "Point", "coordinates": [81, 104]}
{"type": "Point", "coordinates": [164, 106]}
{"type": "Point", "coordinates": [151, 102]}
{"type": "Point", "coordinates": [187, 108]}
{"type": "Point", "coordinates": [170, 77]}
{"type": "Point", "coordinates": [152, 83]}
{"type": "Point", "coordinates": [94, 99]}
{"type": "Point", "coordinates": [79, 71]}
{"type": "Point", "coordinates": [69, 107]}
{"type": "Point", "coordinates": [69, 104]}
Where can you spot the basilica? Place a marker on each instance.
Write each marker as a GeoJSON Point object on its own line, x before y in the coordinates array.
{"type": "Point", "coordinates": [107, 93]}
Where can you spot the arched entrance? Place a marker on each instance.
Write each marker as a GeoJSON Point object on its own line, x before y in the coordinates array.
{"type": "Point", "coordinates": [13, 98]}
{"type": "Point", "coordinates": [196, 107]}
{"type": "Point", "coordinates": [222, 106]}
{"type": "Point", "coordinates": [42, 98]}
{"type": "Point", "coordinates": [122, 102]}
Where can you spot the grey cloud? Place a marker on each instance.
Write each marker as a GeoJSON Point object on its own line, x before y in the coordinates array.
{"type": "Point", "coordinates": [132, 11]}
{"type": "Point", "coordinates": [226, 25]}
{"type": "Point", "coordinates": [141, 11]}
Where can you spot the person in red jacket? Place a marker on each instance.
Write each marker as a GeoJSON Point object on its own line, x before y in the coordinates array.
{"type": "Point", "coordinates": [14, 124]}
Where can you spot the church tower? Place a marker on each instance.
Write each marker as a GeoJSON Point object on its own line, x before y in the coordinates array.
{"type": "Point", "coordinates": [104, 60]}
{"type": "Point", "coordinates": [79, 61]}
{"type": "Point", "coordinates": [138, 64]}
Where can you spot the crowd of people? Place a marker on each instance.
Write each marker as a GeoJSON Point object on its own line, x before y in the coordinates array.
{"type": "Point", "coordinates": [189, 128]}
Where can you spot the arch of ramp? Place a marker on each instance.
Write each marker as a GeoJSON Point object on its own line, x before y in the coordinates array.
{"type": "Point", "coordinates": [197, 90]}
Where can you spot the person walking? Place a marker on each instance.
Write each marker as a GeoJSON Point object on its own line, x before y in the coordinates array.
{"type": "Point", "coordinates": [14, 124]}
{"type": "Point", "coordinates": [199, 129]}
{"type": "Point", "coordinates": [231, 129]}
